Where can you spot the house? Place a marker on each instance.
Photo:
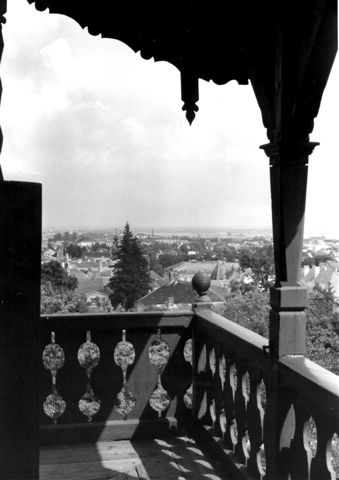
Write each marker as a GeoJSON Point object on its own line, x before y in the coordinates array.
{"type": "Point", "coordinates": [325, 275]}
{"type": "Point", "coordinates": [184, 271]}
{"type": "Point", "coordinates": [175, 296]}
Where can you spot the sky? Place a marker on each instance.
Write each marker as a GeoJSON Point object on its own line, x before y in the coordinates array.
{"type": "Point", "coordinates": [104, 132]}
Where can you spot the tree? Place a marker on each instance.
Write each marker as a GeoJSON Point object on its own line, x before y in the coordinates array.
{"type": "Point", "coordinates": [58, 291]}
{"type": "Point", "coordinates": [74, 250]}
{"type": "Point", "coordinates": [167, 260]}
{"type": "Point", "coordinates": [261, 262]}
{"type": "Point", "coordinates": [322, 339]}
{"type": "Point", "coordinates": [249, 309]}
{"type": "Point", "coordinates": [55, 276]}
{"type": "Point", "coordinates": [131, 279]}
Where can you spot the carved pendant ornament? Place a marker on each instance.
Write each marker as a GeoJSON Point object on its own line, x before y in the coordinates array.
{"type": "Point", "coordinates": [189, 358]}
{"type": "Point", "coordinates": [124, 356]}
{"type": "Point", "coordinates": [89, 358]}
{"type": "Point", "coordinates": [158, 355]}
{"type": "Point", "coordinates": [53, 358]}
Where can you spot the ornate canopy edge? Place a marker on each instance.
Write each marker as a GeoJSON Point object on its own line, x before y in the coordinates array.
{"type": "Point", "coordinates": [285, 48]}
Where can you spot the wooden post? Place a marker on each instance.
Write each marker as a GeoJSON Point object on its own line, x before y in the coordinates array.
{"type": "Point", "coordinates": [20, 257]}
{"type": "Point", "coordinates": [288, 175]}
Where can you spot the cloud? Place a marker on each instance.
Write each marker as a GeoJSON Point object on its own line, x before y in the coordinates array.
{"type": "Point", "coordinates": [104, 130]}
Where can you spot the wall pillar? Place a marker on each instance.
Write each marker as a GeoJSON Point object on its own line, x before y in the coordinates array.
{"type": "Point", "coordinates": [20, 356]}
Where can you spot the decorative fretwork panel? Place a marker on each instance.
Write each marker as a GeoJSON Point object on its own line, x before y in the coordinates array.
{"type": "Point", "coordinates": [89, 358]}
{"type": "Point", "coordinates": [231, 399]}
{"type": "Point", "coordinates": [124, 356]}
{"type": "Point", "coordinates": [159, 353]}
{"type": "Point", "coordinates": [188, 355]}
{"type": "Point", "coordinates": [53, 358]}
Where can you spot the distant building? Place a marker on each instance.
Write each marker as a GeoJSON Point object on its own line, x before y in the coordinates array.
{"type": "Point", "coordinates": [176, 296]}
{"type": "Point", "coordinates": [325, 275]}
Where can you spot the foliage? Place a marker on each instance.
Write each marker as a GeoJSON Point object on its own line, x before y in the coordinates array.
{"type": "Point", "coordinates": [57, 291]}
{"type": "Point", "coordinates": [167, 260]}
{"type": "Point", "coordinates": [261, 262]}
{"type": "Point", "coordinates": [97, 247]}
{"type": "Point", "coordinates": [74, 250]}
{"type": "Point", "coordinates": [131, 280]}
{"type": "Point", "coordinates": [249, 309]}
{"type": "Point", "coordinates": [62, 302]}
{"type": "Point", "coordinates": [155, 265]}
{"type": "Point", "coordinates": [52, 273]}
{"type": "Point", "coordinates": [225, 252]}
{"type": "Point", "coordinates": [322, 338]}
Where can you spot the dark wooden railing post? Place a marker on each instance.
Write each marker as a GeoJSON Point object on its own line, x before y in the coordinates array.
{"type": "Point", "coordinates": [20, 257]}
{"type": "Point", "coordinates": [288, 175]}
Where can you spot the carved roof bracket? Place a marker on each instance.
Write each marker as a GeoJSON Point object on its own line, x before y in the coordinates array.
{"type": "Point", "coordinates": [189, 95]}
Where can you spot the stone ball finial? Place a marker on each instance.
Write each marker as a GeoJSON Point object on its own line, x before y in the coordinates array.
{"type": "Point", "coordinates": [201, 282]}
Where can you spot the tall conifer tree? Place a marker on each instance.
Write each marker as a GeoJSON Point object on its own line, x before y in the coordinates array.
{"type": "Point", "coordinates": [131, 279]}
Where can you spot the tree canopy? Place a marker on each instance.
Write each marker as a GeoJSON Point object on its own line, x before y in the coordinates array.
{"type": "Point", "coordinates": [131, 279]}
{"type": "Point", "coordinates": [54, 275]}
{"type": "Point", "coordinates": [261, 262]}
{"type": "Point", "coordinates": [58, 291]}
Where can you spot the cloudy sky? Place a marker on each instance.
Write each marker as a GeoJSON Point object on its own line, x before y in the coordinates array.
{"type": "Point", "coordinates": [103, 130]}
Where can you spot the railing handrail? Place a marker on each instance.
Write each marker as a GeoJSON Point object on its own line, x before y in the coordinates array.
{"type": "Point", "coordinates": [144, 313]}
{"type": "Point", "coordinates": [121, 320]}
{"type": "Point", "coordinates": [311, 381]}
{"type": "Point", "coordinates": [246, 343]}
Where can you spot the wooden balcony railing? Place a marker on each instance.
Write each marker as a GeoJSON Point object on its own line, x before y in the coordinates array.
{"type": "Point", "coordinates": [112, 376]}
{"type": "Point", "coordinates": [262, 420]}
{"type": "Point", "coordinates": [139, 374]}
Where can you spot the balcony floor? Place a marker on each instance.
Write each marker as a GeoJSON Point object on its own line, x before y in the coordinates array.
{"type": "Point", "coordinates": [172, 458]}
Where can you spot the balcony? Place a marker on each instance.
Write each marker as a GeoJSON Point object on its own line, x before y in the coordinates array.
{"type": "Point", "coordinates": [258, 409]}
{"type": "Point", "coordinates": [179, 395]}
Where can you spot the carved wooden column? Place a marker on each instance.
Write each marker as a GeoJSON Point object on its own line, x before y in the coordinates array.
{"type": "Point", "coordinates": [288, 176]}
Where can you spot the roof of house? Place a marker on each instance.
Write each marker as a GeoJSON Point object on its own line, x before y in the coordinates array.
{"type": "Point", "coordinates": [223, 269]}
{"type": "Point", "coordinates": [87, 284]}
{"type": "Point", "coordinates": [106, 273]}
{"type": "Point", "coordinates": [324, 277]}
{"type": "Point", "coordinates": [193, 267]}
{"type": "Point", "coordinates": [180, 291]}
{"type": "Point", "coordinates": [88, 265]}
{"type": "Point", "coordinates": [92, 292]}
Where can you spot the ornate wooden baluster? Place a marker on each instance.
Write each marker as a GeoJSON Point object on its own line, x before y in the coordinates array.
{"type": "Point", "coordinates": [292, 439]}
{"type": "Point", "coordinates": [240, 414]}
{"type": "Point", "coordinates": [222, 376]}
{"type": "Point", "coordinates": [233, 379]}
{"type": "Point", "coordinates": [53, 358]}
{"type": "Point", "coordinates": [263, 401]}
{"type": "Point", "coordinates": [211, 392]}
{"type": "Point", "coordinates": [254, 420]}
{"type": "Point", "coordinates": [246, 392]}
{"type": "Point", "coordinates": [159, 354]}
{"type": "Point", "coordinates": [124, 356]}
{"type": "Point", "coordinates": [325, 429]}
{"type": "Point", "coordinates": [189, 358]}
{"type": "Point", "coordinates": [332, 455]}
{"type": "Point", "coordinates": [218, 393]}
{"type": "Point", "coordinates": [200, 379]}
{"type": "Point", "coordinates": [228, 404]}
{"type": "Point", "coordinates": [89, 358]}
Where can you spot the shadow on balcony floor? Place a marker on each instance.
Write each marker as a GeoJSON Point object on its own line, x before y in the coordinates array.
{"type": "Point", "coordinates": [175, 458]}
